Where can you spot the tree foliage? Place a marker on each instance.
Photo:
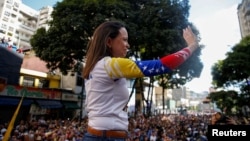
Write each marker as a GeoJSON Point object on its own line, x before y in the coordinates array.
{"type": "Point", "coordinates": [227, 101]}
{"type": "Point", "coordinates": [70, 30]}
{"type": "Point", "coordinates": [154, 27]}
{"type": "Point", "coordinates": [234, 70]}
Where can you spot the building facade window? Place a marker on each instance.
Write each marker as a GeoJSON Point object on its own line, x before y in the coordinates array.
{"type": "Point", "coordinates": [2, 31]}
{"type": "Point", "coordinates": [28, 81]}
{"type": "Point", "coordinates": [9, 1]}
{"type": "Point", "coordinates": [6, 13]}
{"type": "Point", "coordinates": [4, 26]}
{"type": "Point", "coordinates": [11, 29]}
{"type": "Point", "coordinates": [16, 4]}
{"type": "Point", "coordinates": [8, 6]}
{"type": "Point", "coordinates": [43, 83]}
{"type": "Point", "coordinates": [5, 19]}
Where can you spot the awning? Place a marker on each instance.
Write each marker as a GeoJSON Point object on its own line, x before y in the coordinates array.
{"type": "Point", "coordinates": [70, 105]}
{"type": "Point", "coordinates": [14, 101]}
{"type": "Point", "coordinates": [49, 104]}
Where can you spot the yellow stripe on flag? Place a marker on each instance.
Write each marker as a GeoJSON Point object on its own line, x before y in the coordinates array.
{"type": "Point", "coordinates": [11, 124]}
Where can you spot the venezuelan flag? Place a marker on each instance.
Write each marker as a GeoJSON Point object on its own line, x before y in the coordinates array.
{"type": "Point", "coordinates": [127, 68]}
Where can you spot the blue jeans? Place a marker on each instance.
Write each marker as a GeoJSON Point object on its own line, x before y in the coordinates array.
{"type": "Point", "coordinates": [89, 137]}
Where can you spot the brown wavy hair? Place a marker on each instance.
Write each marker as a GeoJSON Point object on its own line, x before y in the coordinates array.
{"type": "Point", "coordinates": [97, 47]}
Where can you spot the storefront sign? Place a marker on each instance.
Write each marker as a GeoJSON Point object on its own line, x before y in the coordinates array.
{"type": "Point", "coordinates": [19, 91]}
{"type": "Point", "coordinates": [70, 97]}
{"type": "Point", "coordinates": [36, 110]}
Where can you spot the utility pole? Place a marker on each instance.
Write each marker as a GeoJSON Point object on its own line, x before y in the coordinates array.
{"type": "Point", "coordinates": [80, 68]}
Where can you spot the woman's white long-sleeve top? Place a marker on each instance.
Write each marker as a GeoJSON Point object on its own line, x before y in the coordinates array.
{"type": "Point", "coordinates": [107, 92]}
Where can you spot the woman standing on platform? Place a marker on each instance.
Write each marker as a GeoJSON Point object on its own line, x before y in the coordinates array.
{"type": "Point", "coordinates": [105, 74]}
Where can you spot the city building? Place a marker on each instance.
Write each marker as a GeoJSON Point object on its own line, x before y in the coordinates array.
{"type": "Point", "coordinates": [22, 74]}
{"type": "Point", "coordinates": [42, 92]}
{"type": "Point", "coordinates": [18, 23]}
{"type": "Point", "coordinates": [244, 17]}
{"type": "Point", "coordinates": [169, 103]}
{"type": "Point", "coordinates": [44, 17]}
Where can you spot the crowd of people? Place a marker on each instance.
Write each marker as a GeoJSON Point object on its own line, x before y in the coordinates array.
{"type": "Point", "coordinates": [7, 43]}
{"type": "Point", "coordinates": [162, 127]}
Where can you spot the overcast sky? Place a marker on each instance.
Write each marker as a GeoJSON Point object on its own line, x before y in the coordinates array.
{"type": "Point", "coordinates": [218, 24]}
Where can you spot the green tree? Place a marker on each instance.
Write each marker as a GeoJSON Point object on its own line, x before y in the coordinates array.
{"type": "Point", "coordinates": [164, 20]}
{"type": "Point", "coordinates": [160, 33]}
{"type": "Point", "coordinates": [71, 28]}
{"type": "Point", "coordinates": [226, 101]}
{"type": "Point", "coordinates": [234, 69]}
{"type": "Point", "coordinates": [234, 72]}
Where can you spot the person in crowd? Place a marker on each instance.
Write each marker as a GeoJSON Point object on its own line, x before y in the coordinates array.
{"type": "Point", "coordinates": [153, 136]}
{"type": "Point", "coordinates": [105, 73]}
{"type": "Point", "coordinates": [220, 119]}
